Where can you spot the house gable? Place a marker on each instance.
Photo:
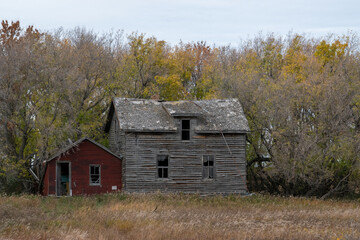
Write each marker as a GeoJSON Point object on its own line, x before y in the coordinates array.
{"type": "Point", "coordinates": [188, 146]}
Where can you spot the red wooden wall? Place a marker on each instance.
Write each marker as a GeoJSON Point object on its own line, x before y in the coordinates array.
{"type": "Point", "coordinates": [81, 157]}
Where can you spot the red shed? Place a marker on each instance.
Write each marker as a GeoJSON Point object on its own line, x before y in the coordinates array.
{"type": "Point", "coordinates": [85, 167]}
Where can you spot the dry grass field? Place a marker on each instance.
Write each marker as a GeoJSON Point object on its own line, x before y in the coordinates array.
{"type": "Point", "coordinates": [180, 216]}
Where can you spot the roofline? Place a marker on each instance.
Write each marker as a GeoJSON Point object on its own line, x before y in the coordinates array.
{"type": "Point", "coordinates": [221, 131]}
{"type": "Point", "coordinates": [113, 109]}
{"type": "Point", "coordinates": [150, 131]}
{"type": "Point", "coordinates": [196, 131]}
{"type": "Point", "coordinates": [64, 150]}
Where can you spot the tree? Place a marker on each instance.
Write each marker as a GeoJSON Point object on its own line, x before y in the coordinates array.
{"type": "Point", "coordinates": [26, 91]}
{"type": "Point", "coordinates": [143, 61]}
{"type": "Point", "coordinates": [301, 115]}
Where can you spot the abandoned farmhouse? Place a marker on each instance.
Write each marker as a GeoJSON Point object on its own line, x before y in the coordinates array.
{"type": "Point", "coordinates": [180, 146]}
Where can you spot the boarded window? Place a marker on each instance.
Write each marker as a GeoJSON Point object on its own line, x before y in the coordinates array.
{"type": "Point", "coordinates": [163, 166]}
{"type": "Point", "coordinates": [95, 175]}
{"type": "Point", "coordinates": [208, 166]}
{"type": "Point", "coordinates": [185, 129]}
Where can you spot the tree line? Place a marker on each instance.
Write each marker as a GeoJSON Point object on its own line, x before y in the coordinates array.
{"type": "Point", "coordinates": [301, 96]}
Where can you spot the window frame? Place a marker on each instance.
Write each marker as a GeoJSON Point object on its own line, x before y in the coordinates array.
{"type": "Point", "coordinates": [188, 130]}
{"type": "Point", "coordinates": [208, 167]}
{"type": "Point", "coordinates": [90, 174]}
{"type": "Point", "coordinates": [162, 167]}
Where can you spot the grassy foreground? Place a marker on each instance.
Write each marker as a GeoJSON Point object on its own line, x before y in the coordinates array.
{"type": "Point", "coordinates": [156, 216]}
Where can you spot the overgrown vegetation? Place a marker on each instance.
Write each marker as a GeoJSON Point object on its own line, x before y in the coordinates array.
{"type": "Point", "coordinates": [300, 95]}
{"type": "Point", "coordinates": [156, 216]}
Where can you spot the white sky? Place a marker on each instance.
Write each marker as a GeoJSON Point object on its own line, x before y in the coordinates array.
{"type": "Point", "coordinates": [214, 21]}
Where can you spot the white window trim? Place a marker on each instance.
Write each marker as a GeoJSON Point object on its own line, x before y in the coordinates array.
{"type": "Point", "coordinates": [95, 184]}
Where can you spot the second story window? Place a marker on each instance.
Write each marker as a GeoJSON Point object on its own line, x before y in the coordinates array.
{"type": "Point", "coordinates": [185, 129]}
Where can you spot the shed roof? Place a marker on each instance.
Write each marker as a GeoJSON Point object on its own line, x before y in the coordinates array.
{"type": "Point", "coordinates": [144, 115]}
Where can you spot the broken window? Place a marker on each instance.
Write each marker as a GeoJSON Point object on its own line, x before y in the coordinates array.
{"type": "Point", "coordinates": [163, 166]}
{"type": "Point", "coordinates": [185, 129]}
{"type": "Point", "coordinates": [208, 166]}
{"type": "Point", "coordinates": [95, 175]}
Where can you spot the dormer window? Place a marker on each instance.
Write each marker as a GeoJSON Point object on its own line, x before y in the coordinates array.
{"type": "Point", "coordinates": [185, 129]}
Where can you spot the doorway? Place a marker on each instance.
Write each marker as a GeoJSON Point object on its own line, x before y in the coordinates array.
{"type": "Point", "coordinates": [63, 179]}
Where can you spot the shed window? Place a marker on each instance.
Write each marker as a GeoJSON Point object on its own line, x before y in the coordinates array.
{"type": "Point", "coordinates": [185, 129]}
{"type": "Point", "coordinates": [95, 175]}
{"type": "Point", "coordinates": [163, 166]}
{"type": "Point", "coordinates": [208, 166]}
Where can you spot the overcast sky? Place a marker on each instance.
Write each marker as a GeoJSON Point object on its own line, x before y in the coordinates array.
{"type": "Point", "coordinates": [214, 21]}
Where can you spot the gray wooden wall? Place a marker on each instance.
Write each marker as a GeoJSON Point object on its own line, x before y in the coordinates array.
{"type": "Point", "coordinates": [140, 152]}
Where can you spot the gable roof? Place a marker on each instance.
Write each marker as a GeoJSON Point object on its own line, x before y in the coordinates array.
{"type": "Point", "coordinates": [75, 144]}
{"type": "Point", "coordinates": [145, 115]}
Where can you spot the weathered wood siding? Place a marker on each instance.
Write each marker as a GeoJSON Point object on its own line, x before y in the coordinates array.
{"type": "Point", "coordinates": [140, 152]}
{"type": "Point", "coordinates": [117, 143]}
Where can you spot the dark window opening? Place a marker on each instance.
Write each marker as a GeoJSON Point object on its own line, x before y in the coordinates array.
{"type": "Point", "coordinates": [208, 166]}
{"type": "Point", "coordinates": [95, 175]}
{"type": "Point", "coordinates": [185, 129]}
{"type": "Point", "coordinates": [163, 166]}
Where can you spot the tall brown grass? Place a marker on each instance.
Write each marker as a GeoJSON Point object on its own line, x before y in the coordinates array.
{"type": "Point", "coordinates": [177, 216]}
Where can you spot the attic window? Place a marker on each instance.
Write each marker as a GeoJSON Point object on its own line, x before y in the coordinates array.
{"type": "Point", "coordinates": [163, 166]}
{"type": "Point", "coordinates": [185, 129]}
